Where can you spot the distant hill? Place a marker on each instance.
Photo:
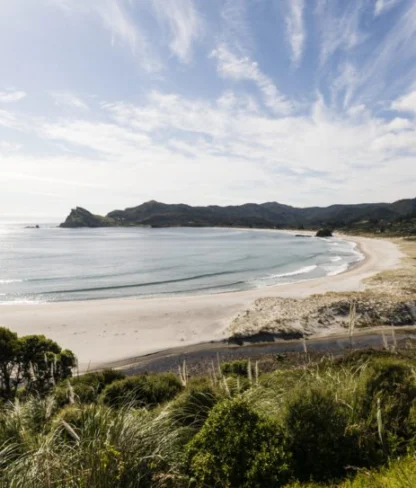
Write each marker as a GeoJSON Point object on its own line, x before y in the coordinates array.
{"type": "Point", "coordinates": [397, 217]}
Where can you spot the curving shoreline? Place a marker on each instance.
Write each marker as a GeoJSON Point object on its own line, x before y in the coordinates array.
{"type": "Point", "coordinates": [104, 331]}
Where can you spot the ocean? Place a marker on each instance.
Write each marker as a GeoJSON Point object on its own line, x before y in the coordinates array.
{"type": "Point", "coordinates": [53, 264]}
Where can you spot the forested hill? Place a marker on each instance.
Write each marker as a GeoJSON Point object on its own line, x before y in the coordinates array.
{"type": "Point", "coordinates": [398, 217]}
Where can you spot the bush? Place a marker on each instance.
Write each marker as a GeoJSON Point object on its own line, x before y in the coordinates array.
{"type": "Point", "coordinates": [237, 448]}
{"type": "Point", "coordinates": [99, 380]}
{"type": "Point", "coordinates": [238, 368]}
{"type": "Point", "coordinates": [318, 435]}
{"type": "Point", "coordinates": [145, 390]}
{"type": "Point", "coordinates": [389, 392]}
{"type": "Point", "coordinates": [86, 388]}
{"type": "Point", "coordinates": [192, 407]}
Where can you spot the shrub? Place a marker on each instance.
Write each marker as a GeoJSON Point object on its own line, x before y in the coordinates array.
{"type": "Point", "coordinates": [239, 368]}
{"type": "Point", "coordinates": [237, 448]}
{"type": "Point", "coordinates": [86, 388]}
{"type": "Point", "coordinates": [318, 435]}
{"type": "Point", "coordinates": [142, 390]}
{"type": "Point", "coordinates": [192, 407]}
{"type": "Point", "coordinates": [389, 393]}
{"type": "Point", "coordinates": [99, 380]}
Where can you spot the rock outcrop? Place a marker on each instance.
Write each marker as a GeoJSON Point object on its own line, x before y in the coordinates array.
{"type": "Point", "coordinates": [324, 233]}
{"type": "Point", "coordinates": [79, 217]}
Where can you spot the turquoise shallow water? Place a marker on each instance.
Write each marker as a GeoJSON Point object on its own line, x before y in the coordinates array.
{"type": "Point", "coordinates": [52, 264]}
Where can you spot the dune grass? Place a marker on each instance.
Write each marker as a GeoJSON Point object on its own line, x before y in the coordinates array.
{"type": "Point", "coordinates": [347, 422]}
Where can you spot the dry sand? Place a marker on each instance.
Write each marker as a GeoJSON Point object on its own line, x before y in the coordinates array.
{"type": "Point", "coordinates": [102, 331]}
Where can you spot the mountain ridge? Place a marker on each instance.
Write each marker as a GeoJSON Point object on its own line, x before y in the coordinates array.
{"type": "Point", "coordinates": [375, 217]}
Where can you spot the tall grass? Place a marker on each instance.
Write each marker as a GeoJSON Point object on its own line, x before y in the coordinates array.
{"type": "Point", "coordinates": [336, 421]}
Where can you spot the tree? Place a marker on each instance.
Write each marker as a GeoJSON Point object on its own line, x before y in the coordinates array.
{"type": "Point", "coordinates": [9, 347]}
{"type": "Point", "coordinates": [43, 363]}
{"type": "Point", "coordinates": [34, 361]}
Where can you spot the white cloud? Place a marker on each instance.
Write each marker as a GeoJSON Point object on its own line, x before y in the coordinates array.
{"type": "Point", "coordinates": [399, 124]}
{"type": "Point", "coordinates": [9, 120]}
{"type": "Point", "coordinates": [296, 29]}
{"type": "Point", "coordinates": [11, 96]}
{"type": "Point", "coordinates": [406, 103]}
{"type": "Point", "coordinates": [224, 151]}
{"type": "Point", "coordinates": [9, 146]}
{"type": "Point", "coordinates": [68, 99]}
{"type": "Point", "coordinates": [184, 22]}
{"type": "Point", "coordinates": [383, 6]}
{"type": "Point", "coordinates": [243, 68]}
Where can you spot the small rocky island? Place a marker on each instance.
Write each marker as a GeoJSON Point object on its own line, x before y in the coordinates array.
{"type": "Point", "coordinates": [324, 233]}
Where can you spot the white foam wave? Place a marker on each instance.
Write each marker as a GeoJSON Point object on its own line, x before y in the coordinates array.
{"type": "Point", "coordinates": [7, 282]}
{"type": "Point", "coordinates": [336, 270]}
{"type": "Point", "coordinates": [335, 259]}
{"type": "Point", "coordinates": [306, 269]}
{"type": "Point", "coordinates": [22, 302]}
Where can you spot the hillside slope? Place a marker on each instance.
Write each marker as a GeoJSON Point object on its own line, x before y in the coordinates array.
{"type": "Point", "coordinates": [399, 217]}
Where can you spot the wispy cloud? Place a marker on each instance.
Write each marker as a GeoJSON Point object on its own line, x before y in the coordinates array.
{"type": "Point", "coordinates": [339, 30]}
{"type": "Point", "coordinates": [383, 6]}
{"type": "Point", "coordinates": [67, 99]}
{"type": "Point", "coordinates": [296, 29]}
{"type": "Point", "coordinates": [9, 120]}
{"type": "Point", "coordinates": [393, 53]}
{"type": "Point", "coordinates": [184, 23]}
{"type": "Point", "coordinates": [240, 68]}
{"type": "Point", "coordinates": [118, 21]}
{"type": "Point", "coordinates": [11, 96]}
{"type": "Point", "coordinates": [236, 29]}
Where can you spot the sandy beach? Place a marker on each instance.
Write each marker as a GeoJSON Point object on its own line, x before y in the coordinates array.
{"type": "Point", "coordinates": [103, 331]}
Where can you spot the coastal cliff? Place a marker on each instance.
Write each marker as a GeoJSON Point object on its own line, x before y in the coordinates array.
{"type": "Point", "coordinates": [79, 217]}
{"type": "Point", "coordinates": [398, 217]}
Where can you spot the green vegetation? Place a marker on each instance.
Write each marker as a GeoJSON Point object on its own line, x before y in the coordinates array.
{"type": "Point", "coordinates": [32, 364]}
{"type": "Point", "coordinates": [398, 218]}
{"type": "Point", "coordinates": [348, 422]}
{"type": "Point", "coordinates": [142, 390]}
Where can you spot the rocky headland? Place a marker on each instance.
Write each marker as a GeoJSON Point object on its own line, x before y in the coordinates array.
{"type": "Point", "coordinates": [393, 218]}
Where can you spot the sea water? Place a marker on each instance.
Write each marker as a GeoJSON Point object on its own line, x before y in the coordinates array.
{"type": "Point", "coordinates": [53, 264]}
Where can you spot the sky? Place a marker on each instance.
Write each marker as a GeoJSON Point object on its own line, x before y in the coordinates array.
{"type": "Point", "coordinates": [106, 104]}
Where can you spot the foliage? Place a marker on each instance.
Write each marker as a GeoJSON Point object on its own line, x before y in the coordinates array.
{"type": "Point", "coordinates": [347, 423]}
{"type": "Point", "coordinates": [390, 392]}
{"type": "Point", "coordinates": [33, 361]}
{"type": "Point", "coordinates": [193, 406]}
{"type": "Point", "coordinates": [238, 367]}
{"type": "Point", "coordinates": [319, 435]}
{"type": "Point", "coordinates": [237, 448]}
{"type": "Point", "coordinates": [142, 390]}
{"type": "Point", "coordinates": [85, 388]}
{"type": "Point", "coordinates": [398, 474]}
{"type": "Point", "coordinates": [9, 348]}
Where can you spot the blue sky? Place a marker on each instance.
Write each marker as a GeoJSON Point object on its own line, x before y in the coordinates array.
{"type": "Point", "coordinates": [109, 103]}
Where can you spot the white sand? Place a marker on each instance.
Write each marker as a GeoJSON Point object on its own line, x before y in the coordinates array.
{"type": "Point", "coordinates": [108, 330]}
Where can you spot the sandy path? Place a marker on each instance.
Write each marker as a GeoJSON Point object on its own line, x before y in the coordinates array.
{"type": "Point", "coordinates": [101, 331]}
